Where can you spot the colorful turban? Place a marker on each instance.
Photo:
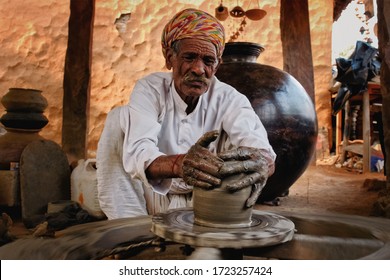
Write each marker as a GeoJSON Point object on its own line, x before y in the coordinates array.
{"type": "Point", "coordinates": [192, 23]}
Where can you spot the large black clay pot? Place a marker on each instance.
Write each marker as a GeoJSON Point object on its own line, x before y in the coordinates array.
{"type": "Point", "coordinates": [284, 107]}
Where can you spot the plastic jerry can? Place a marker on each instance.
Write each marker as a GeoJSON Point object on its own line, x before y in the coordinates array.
{"type": "Point", "coordinates": [84, 187]}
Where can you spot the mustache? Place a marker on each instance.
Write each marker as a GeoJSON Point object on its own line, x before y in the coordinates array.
{"type": "Point", "coordinates": [194, 78]}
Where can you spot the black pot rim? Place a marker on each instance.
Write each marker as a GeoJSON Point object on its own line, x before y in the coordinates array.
{"type": "Point", "coordinates": [243, 49]}
{"type": "Point", "coordinates": [25, 89]}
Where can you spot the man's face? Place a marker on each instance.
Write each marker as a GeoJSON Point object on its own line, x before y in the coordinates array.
{"type": "Point", "coordinates": [193, 66]}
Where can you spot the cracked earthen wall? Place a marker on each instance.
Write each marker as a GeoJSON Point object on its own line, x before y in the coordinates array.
{"type": "Point", "coordinates": [33, 39]}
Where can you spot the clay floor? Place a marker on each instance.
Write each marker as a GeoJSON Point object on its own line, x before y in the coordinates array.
{"type": "Point", "coordinates": [328, 189]}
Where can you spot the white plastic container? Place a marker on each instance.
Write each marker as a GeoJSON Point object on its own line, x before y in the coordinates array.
{"type": "Point", "coordinates": [84, 187]}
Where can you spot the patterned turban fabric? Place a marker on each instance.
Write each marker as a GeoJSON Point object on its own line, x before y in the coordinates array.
{"type": "Point", "coordinates": [193, 23]}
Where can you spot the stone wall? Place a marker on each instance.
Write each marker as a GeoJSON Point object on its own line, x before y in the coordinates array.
{"type": "Point", "coordinates": [33, 36]}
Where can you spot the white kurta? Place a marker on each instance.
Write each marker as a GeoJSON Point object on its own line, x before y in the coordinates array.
{"type": "Point", "coordinates": [155, 123]}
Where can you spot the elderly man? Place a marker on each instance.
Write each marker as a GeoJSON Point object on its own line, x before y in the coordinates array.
{"type": "Point", "coordinates": [181, 129]}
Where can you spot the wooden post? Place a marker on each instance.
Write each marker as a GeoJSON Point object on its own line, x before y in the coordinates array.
{"type": "Point", "coordinates": [347, 128]}
{"type": "Point", "coordinates": [383, 10]}
{"type": "Point", "coordinates": [77, 75]}
{"type": "Point", "coordinates": [296, 42]}
{"type": "Point", "coordinates": [339, 134]}
{"type": "Point", "coordinates": [366, 132]}
{"type": "Point", "coordinates": [296, 45]}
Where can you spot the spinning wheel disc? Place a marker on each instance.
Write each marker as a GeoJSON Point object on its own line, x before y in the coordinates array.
{"type": "Point", "coordinates": [266, 229]}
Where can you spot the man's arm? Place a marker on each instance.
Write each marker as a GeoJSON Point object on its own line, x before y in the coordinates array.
{"type": "Point", "coordinates": [198, 167]}
{"type": "Point", "coordinates": [166, 167]}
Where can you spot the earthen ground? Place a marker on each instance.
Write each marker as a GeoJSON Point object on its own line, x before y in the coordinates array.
{"type": "Point", "coordinates": [328, 189]}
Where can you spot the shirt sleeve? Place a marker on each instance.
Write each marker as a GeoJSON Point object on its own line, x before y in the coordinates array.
{"type": "Point", "coordinates": [141, 128]}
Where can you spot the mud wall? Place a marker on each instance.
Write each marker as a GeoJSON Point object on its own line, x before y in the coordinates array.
{"type": "Point", "coordinates": [126, 46]}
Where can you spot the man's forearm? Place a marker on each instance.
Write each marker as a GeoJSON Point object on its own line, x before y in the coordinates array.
{"type": "Point", "coordinates": [166, 167]}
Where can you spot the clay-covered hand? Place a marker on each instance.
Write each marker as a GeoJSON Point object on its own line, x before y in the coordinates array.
{"type": "Point", "coordinates": [252, 163]}
{"type": "Point", "coordinates": [200, 166]}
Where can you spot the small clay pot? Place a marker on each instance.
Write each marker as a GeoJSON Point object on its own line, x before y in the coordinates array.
{"type": "Point", "coordinates": [24, 100]}
{"type": "Point", "coordinates": [21, 120]}
{"type": "Point", "coordinates": [237, 12]}
{"type": "Point", "coordinates": [255, 14]}
{"type": "Point", "coordinates": [221, 208]}
{"type": "Point", "coordinates": [221, 12]}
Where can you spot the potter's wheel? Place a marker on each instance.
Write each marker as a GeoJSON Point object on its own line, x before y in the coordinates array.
{"type": "Point", "coordinates": [266, 229]}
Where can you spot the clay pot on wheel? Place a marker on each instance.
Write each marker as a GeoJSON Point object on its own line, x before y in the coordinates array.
{"type": "Point", "coordinates": [284, 107]}
{"type": "Point", "coordinates": [222, 208]}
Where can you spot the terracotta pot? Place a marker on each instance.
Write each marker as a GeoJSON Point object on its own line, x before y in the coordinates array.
{"type": "Point", "coordinates": [13, 143]}
{"type": "Point", "coordinates": [283, 106]}
{"type": "Point", "coordinates": [221, 12]}
{"type": "Point", "coordinates": [221, 208]}
{"type": "Point", "coordinates": [24, 100]}
{"type": "Point", "coordinates": [237, 12]}
{"type": "Point", "coordinates": [255, 14]}
{"type": "Point", "coordinates": [21, 120]}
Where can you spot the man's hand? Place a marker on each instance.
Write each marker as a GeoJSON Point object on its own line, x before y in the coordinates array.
{"type": "Point", "coordinates": [246, 160]}
{"type": "Point", "coordinates": [200, 166]}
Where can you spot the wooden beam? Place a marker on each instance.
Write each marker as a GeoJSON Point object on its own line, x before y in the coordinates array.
{"type": "Point", "coordinates": [77, 76]}
{"type": "Point", "coordinates": [366, 133]}
{"type": "Point", "coordinates": [383, 10]}
{"type": "Point", "coordinates": [296, 42]}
